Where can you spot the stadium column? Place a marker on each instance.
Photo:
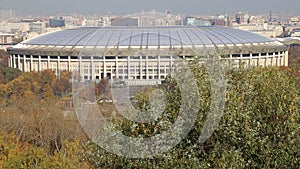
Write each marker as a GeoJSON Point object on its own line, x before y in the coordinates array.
{"type": "Point", "coordinates": [273, 59]}
{"type": "Point", "coordinates": [259, 58]}
{"type": "Point", "coordinates": [158, 66]}
{"type": "Point", "coordinates": [24, 63]}
{"type": "Point", "coordinates": [277, 60]}
{"type": "Point", "coordinates": [265, 59]}
{"type": "Point", "coordinates": [104, 67]}
{"type": "Point", "coordinates": [39, 64]}
{"type": "Point", "coordinates": [13, 61]}
{"type": "Point", "coordinates": [58, 66]}
{"type": "Point", "coordinates": [117, 67]}
{"type": "Point", "coordinates": [31, 63]}
{"type": "Point", "coordinates": [146, 67]}
{"type": "Point", "coordinates": [171, 60]}
{"type": "Point", "coordinates": [92, 69]}
{"type": "Point", "coordinates": [141, 67]}
{"type": "Point", "coordinates": [81, 68]}
{"type": "Point", "coordinates": [69, 63]}
{"type": "Point", "coordinates": [48, 62]}
{"type": "Point", "coordinates": [128, 68]}
{"type": "Point", "coordinates": [230, 59]}
{"type": "Point", "coordinates": [281, 59]}
{"type": "Point", "coordinates": [19, 62]}
{"type": "Point", "coordinates": [286, 58]}
{"type": "Point", "coordinates": [250, 60]}
{"type": "Point", "coordinates": [240, 60]}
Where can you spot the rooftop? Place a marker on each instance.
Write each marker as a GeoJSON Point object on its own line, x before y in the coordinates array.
{"type": "Point", "coordinates": [125, 38]}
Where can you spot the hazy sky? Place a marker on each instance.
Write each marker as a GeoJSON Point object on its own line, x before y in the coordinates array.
{"type": "Point", "coordinates": [52, 7]}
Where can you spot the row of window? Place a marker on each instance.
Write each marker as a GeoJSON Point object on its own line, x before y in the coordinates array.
{"type": "Point", "coordinates": [126, 77]}
{"type": "Point", "coordinates": [132, 71]}
{"type": "Point", "coordinates": [257, 54]}
{"type": "Point", "coordinates": [97, 57]}
{"type": "Point", "coordinates": [143, 57]}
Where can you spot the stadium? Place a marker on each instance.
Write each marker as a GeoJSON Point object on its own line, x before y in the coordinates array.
{"type": "Point", "coordinates": [142, 55]}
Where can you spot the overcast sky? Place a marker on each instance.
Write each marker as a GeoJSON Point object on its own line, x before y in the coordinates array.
{"type": "Point", "coordinates": [52, 7]}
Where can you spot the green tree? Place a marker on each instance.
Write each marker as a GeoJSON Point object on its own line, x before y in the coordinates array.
{"type": "Point", "coordinates": [259, 127]}
{"type": "Point", "coordinates": [17, 154]}
{"type": "Point", "coordinates": [8, 74]}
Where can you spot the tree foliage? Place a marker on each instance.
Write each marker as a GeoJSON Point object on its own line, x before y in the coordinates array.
{"type": "Point", "coordinates": [259, 128]}
{"type": "Point", "coordinates": [294, 54]}
{"type": "Point", "coordinates": [17, 154]}
{"type": "Point", "coordinates": [16, 85]}
{"type": "Point", "coordinates": [8, 74]}
{"type": "Point", "coordinates": [3, 58]}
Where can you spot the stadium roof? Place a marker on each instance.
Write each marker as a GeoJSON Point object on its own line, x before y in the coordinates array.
{"type": "Point", "coordinates": [126, 38]}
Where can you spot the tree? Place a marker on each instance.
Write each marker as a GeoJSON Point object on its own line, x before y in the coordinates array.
{"type": "Point", "coordinates": [3, 58]}
{"type": "Point", "coordinates": [259, 127]}
{"type": "Point", "coordinates": [63, 85]}
{"type": "Point", "coordinates": [294, 56]}
{"type": "Point", "coordinates": [101, 87]}
{"type": "Point", "coordinates": [17, 154]}
{"type": "Point", "coordinates": [8, 74]}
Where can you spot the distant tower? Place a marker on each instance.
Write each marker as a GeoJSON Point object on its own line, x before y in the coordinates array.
{"type": "Point", "coordinates": [270, 17]}
{"type": "Point", "coordinates": [168, 11]}
{"type": "Point", "coordinates": [238, 17]}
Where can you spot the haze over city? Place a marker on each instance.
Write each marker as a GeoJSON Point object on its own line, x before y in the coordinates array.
{"type": "Point", "coordinates": [47, 7]}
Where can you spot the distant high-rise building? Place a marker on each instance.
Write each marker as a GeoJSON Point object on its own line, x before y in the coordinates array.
{"type": "Point", "coordinates": [270, 17]}
{"type": "Point", "coordinates": [242, 17]}
{"type": "Point", "coordinates": [57, 22]}
{"type": "Point", "coordinates": [7, 14]}
{"type": "Point", "coordinates": [38, 27]}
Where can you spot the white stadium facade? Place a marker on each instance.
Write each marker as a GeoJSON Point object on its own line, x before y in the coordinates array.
{"type": "Point", "coordinates": [142, 54]}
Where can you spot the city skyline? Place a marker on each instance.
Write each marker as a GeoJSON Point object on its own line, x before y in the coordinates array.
{"type": "Point", "coordinates": [124, 7]}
